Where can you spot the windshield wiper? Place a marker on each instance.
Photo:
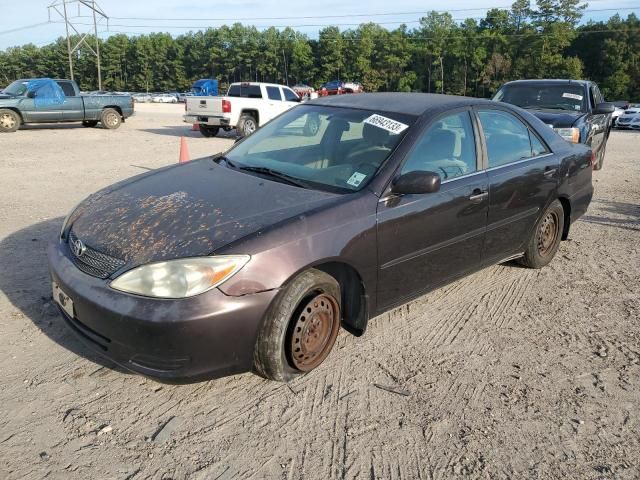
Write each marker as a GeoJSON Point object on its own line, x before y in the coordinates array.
{"type": "Point", "coordinates": [282, 177]}
{"type": "Point", "coordinates": [545, 107]}
{"type": "Point", "coordinates": [221, 158]}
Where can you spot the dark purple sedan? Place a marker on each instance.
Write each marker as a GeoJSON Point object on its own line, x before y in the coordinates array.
{"type": "Point", "coordinates": [253, 260]}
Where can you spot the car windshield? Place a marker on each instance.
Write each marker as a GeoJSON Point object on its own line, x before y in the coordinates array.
{"type": "Point", "coordinates": [327, 148]}
{"type": "Point", "coordinates": [544, 96]}
{"type": "Point", "coordinates": [17, 88]}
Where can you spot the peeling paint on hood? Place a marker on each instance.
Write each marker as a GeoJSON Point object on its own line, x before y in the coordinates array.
{"type": "Point", "coordinates": [188, 210]}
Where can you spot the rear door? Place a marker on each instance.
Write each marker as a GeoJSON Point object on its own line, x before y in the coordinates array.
{"type": "Point", "coordinates": [73, 108]}
{"type": "Point", "coordinates": [426, 240]}
{"type": "Point", "coordinates": [523, 177]}
{"type": "Point", "coordinates": [275, 101]}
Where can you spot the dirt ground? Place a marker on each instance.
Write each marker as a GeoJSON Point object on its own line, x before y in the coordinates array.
{"type": "Point", "coordinates": [508, 373]}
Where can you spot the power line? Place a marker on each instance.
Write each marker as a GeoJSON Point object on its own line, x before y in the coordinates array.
{"type": "Point", "coordinates": [420, 12]}
{"type": "Point", "coordinates": [26, 27]}
{"type": "Point", "coordinates": [317, 25]}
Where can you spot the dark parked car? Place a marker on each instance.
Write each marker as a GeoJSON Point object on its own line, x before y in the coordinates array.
{"type": "Point", "coordinates": [574, 108]}
{"type": "Point", "coordinates": [50, 101]}
{"type": "Point", "coordinates": [334, 87]}
{"type": "Point", "coordinates": [252, 260]}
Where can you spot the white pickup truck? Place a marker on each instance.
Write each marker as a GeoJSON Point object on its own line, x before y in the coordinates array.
{"type": "Point", "coordinates": [247, 106]}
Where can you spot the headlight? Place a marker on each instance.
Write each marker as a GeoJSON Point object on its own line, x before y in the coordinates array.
{"type": "Point", "coordinates": [180, 278]}
{"type": "Point", "coordinates": [569, 134]}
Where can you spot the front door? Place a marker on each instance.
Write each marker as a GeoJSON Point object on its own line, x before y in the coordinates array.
{"type": "Point", "coordinates": [523, 176]}
{"type": "Point", "coordinates": [427, 240]}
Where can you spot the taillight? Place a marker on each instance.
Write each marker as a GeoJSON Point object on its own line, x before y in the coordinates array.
{"type": "Point", "coordinates": [593, 159]}
{"type": "Point", "coordinates": [226, 106]}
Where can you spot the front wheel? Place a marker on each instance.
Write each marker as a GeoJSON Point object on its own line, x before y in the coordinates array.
{"type": "Point", "coordinates": [247, 125]}
{"type": "Point", "coordinates": [209, 131]}
{"type": "Point", "coordinates": [545, 241]}
{"type": "Point", "coordinates": [9, 121]}
{"type": "Point", "coordinates": [300, 328]}
{"type": "Point", "coordinates": [110, 119]}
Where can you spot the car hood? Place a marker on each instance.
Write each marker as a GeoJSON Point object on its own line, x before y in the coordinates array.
{"type": "Point", "coordinates": [187, 210]}
{"type": "Point", "coordinates": [558, 118]}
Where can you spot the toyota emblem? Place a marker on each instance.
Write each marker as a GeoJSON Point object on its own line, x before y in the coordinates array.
{"type": "Point", "coordinates": [78, 248]}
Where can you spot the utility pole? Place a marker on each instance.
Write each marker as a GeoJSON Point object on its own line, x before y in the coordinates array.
{"type": "Point", "coordinates": [98, 15]}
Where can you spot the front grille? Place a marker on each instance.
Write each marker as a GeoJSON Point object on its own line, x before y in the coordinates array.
{"type": "Point", "coordinates": [93, 262]}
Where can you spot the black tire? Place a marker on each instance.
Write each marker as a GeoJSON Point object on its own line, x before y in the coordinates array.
{"type": "Point", "coordinates": [247, 124]}
{"type": "Point", "coordinates": [546, 237]}
{"type": "Point", "coordinates": [89, 123]}
{"type": "Point", "coordinates": [600, 156]}
{"type": "Point", "coordinates": [9, 121]}
{"type": "Point", "coordinates": [110, 119]}
{"type": "Point", "coordinates": [209, 131]}
{"type": "Point", "coordinates": [280, 330]}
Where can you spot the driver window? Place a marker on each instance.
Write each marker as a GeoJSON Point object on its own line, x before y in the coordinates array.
{"type": "Point", "coordinates": [447, 148]}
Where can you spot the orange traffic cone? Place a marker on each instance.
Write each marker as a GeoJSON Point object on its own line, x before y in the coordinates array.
{"type": "Point", "coordinates": [195, 127]}
{"type": "Point", "coordinates": [184, 151]}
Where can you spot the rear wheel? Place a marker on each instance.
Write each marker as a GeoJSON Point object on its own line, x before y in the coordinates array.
{"type": "Point", "coordinates": [300, 328]}
{"type": "Point", "coordinates": [247, 125]}
{"type": "Point", "coordinates": [89, 123]}
{"type": "Point", "coordinates": [9, 121]}
{"type": "Point", "coordinates": [209, 131]}
{"type": "Point", "coordinates": [545, 241]}
{"type": "Point", "coordinates": [110, 118]}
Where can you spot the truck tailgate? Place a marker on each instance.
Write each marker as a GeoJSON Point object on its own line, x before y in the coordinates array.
{"type": "Point", "coordinates": [204, 106]}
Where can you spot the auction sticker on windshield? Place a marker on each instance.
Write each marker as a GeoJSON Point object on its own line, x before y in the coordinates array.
{"type": "Point", "coordinates": [572, 96]}
{"type": "Point", "coordinates": [385, 123]}
{"type": "Point", "coordinates": [356, 179]}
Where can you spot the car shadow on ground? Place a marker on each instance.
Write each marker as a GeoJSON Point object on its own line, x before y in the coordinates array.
{"type": "Point", "coordinates": [630, 211]}
{"type": "Point", "coordinates": [26, 283]}
{"type": "Point", "coordinates": [53, 126]}
{"type": "Point", "coordinates": [185, 131]}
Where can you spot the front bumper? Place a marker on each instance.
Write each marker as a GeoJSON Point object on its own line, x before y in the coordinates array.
{"type": "Point", "coordinates": [205, 336]}
{"type": "Point", "coordinates": [214, 121]}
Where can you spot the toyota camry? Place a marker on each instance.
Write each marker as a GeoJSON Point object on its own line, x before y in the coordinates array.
{"type": "Point", "coordinates": [334, 212]}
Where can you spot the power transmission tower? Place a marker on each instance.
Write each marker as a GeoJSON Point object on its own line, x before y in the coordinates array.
{"type": "Point", "coordinates": [62, 8]}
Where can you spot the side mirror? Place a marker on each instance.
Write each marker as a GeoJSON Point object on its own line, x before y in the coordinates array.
{"type": "Point", "coordinates": [416, 182]}
{"type": "Point", "coordinates": [31, 94]}
{"type": "Point", "coordinates": [604, 108]}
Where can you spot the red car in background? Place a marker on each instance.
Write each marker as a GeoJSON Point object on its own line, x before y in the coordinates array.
{"type": "Point", "coordinates": [338, 87]}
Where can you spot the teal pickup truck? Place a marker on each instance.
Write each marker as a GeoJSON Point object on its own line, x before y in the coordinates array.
{"type": "Point", "coordinates": [51, 101]}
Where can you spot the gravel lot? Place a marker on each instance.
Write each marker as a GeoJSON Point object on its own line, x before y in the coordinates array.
{"type": "Point", "coordinates": [508, 373]}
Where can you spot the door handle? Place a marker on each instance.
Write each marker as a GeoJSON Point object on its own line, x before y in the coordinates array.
{"type": "Point", "coordinates": [478, 196]}
{"type": "Point", "coordinates": [548, 171]}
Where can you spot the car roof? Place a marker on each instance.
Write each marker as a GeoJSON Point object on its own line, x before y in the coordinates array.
{"type": "Point", "coordinates": [550, 81]}
{"type": "Point", "coordinates": [399, 102]}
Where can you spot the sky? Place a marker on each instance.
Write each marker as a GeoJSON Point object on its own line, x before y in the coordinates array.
{"type": "Point", "coordinates": [179, 16]}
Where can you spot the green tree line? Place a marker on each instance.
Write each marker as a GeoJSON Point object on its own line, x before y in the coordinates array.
{"type": "Point", "coordinates": [472, 57]}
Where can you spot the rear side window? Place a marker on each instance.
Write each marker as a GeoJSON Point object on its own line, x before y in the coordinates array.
{"type": "Point", "coordinates": [249, 91]}
{"type": "Point", "coordinates": [273, 93]}
{"type": "Point", "coordinates": [68, 89]}
{"type": "Point", "coordinates": [447, 148]}
{"type": "Point", "coordinates": [508, 139]}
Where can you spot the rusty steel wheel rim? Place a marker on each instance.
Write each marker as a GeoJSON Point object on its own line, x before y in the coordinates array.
{"type": "Point", "coordinates": [314, 332]}
{"type": "Point", "coordinates": [547, 234]}
{"type": "Point", "coordinates": [7, 120]}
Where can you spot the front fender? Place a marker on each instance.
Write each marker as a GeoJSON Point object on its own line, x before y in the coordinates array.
{"type": "Point", "coordinates": [345, 233]}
